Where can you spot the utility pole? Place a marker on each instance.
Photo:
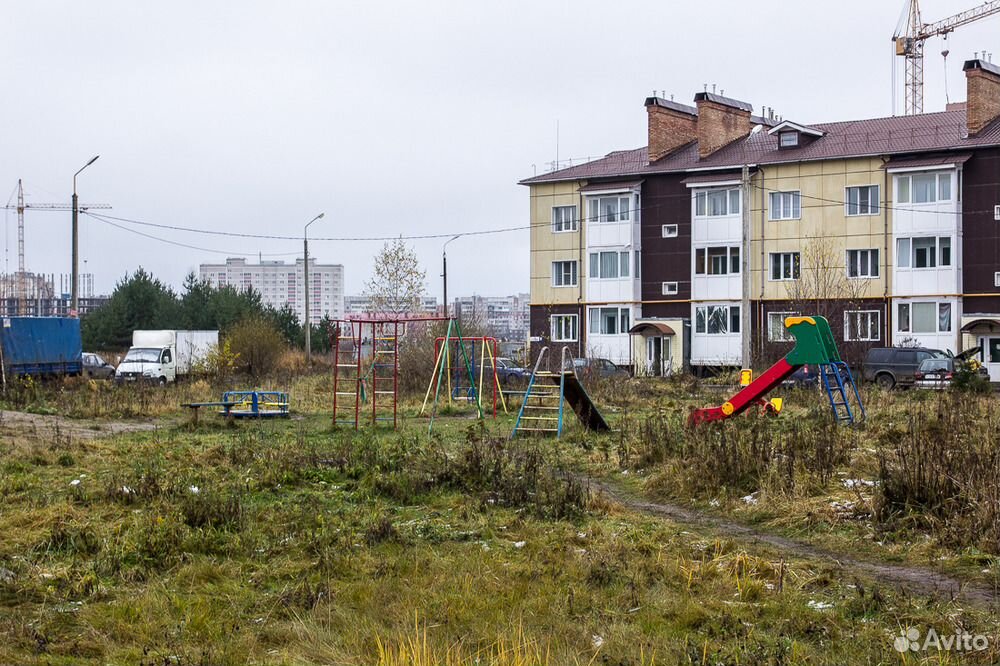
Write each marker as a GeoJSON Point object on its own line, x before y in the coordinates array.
{"type": "Point", "coordinates": [75, 292]}
{"type": "Point", "coordinates": [745, 318]}
{"type": "Point", "coordinates": [444, 271]}
{"type": "Point", "coordinates": [305, 284]}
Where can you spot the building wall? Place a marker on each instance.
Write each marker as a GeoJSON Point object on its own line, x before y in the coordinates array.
{"type": "Point", "coordinates": [548, 246]}
{"type": "Point", "coordinates": [823, 232]}
{"type": "Point", "coordinates": [981, 232]}
{"type": "Point", "coordinates": [665, 201]}
{"type": "Point", "coordinates": [541, 327]}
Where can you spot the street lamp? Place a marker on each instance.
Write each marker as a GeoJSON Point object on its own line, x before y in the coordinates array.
{"type": "Point", "coordinates": [305, 283]}
{"type": "Point", "coordinates": [75, 289]}
{"type": "Point", "coordinates": [444, 270]}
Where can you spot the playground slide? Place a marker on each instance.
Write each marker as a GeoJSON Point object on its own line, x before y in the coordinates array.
{"type": "Point", "coordinates": [580, 401]}
{"type": "Point", "coordinates": [814, 344]}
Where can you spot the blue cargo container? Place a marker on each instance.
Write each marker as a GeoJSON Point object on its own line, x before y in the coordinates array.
{"type": "Point", "coordinates": [40, 346]}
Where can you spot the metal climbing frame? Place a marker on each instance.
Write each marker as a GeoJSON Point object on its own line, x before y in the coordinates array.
{"type": "Point", "coordinates": [366, 368]}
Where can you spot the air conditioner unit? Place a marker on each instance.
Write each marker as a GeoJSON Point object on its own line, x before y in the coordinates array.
{"type": "Point", "coordinates": [996, 212]}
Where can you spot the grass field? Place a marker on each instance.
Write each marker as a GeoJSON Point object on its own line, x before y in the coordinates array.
{"type": "Point", "coordinates": [131, 537]}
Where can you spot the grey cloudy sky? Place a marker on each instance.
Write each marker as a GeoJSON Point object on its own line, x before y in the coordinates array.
{"type": "Point", "coordinates": [393, 118]}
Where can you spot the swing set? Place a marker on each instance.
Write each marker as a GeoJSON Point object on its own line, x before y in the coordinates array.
{"type": "Point", "coordinates": [468, 380]}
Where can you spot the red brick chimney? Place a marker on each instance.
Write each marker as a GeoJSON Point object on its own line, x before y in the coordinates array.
{"type": "Point", "coordinates": [671, 125]}
{"type": "Point", "coordinates": [982, 80]}
{"type": "Point", "coordinates": [721, 121]}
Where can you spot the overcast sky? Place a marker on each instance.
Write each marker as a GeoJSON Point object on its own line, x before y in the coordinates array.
{"type": "Point", "coordinates": [393, 118]}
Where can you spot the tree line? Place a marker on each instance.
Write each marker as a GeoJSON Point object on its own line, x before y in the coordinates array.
{"type": "Point", "coordinates": [140, 301]}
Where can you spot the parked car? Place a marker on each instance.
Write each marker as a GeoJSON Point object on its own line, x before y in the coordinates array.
{"type": "Point", "coordinates": [96, 367]}
{"type": "Point", "coordinates": [895, 366]}
{"type": "Point", "coordinates": [597, 367]}
{"type": "Point", "coordinates": [805, 377]}
{"type": "Point", "coordinates": [509, 372]}
{"type": "Point", "coordinates": [937, 373]}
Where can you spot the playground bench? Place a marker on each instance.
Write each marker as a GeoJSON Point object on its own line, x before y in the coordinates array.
{"type": "Point", "coordinates": [227, 408]}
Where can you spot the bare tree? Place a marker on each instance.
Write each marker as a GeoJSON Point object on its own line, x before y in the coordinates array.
{"type": "Point", "coordinates": [397, 282]}
{"type": "Point", "coordinates": [823, 288]}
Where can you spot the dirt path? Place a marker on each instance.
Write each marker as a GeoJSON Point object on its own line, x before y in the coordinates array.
{"type": "Point", "coordinates": [20, 425]}
{"type": "Point", "coordinates": [916, 580]}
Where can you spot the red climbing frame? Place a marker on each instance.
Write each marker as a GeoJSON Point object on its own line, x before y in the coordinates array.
{"type": "Point", "coordinates": [348, 338]}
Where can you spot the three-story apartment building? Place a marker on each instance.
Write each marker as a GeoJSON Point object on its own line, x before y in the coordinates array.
{"type": "Point", "coordinates": [886, 226]}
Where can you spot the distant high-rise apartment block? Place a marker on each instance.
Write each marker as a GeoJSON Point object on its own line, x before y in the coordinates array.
{"type": "Point", "coordinates": [280, 284]}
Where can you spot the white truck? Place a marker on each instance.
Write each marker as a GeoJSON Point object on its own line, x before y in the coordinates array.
{"type": "Point", "coordinates": [163, 356]}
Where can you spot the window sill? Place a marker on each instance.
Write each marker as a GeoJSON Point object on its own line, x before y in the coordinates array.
{"type": "Point", "coordinates": [563, 286]}
{"type": "Point", "coordinates": [862, 214]}
{"type": "Point", "coordinates": [783, 219]}
{"type": "Point", "coordinates": [862, 277]}
{"type": "Point", "coordinates": [565, 231]}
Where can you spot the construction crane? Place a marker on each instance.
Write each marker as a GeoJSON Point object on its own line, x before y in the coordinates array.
{"type": "Point", "coordinates": [21, 282]}
{"type": "Point", "coordinates": [909, 40]}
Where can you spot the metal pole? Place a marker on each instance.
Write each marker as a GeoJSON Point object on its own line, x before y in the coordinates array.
{"type": "Point", "coordinates": [305, 285]}
{"type": "Point", "coordinates": [444, 270]}
{"type": "Point", "coordinates": [745, 318]}
{"type": "Point", "coordinates": [305, 288]}
{"type": "Point", "coordinates": [75, 288]}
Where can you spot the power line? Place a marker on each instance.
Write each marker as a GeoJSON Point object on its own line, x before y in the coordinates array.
{"type": "Point", "coordinates": [186, 245]}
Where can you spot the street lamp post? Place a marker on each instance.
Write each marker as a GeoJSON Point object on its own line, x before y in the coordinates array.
{"type": "Point", "coordinates": [75, 289]}
{"type": "Point", "coordinates": [305, 284]}
{"type": "Point", "coordinates": [444, 271]}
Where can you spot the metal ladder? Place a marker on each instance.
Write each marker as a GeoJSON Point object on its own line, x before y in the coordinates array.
{"type": "Point", "coordinates": [346, 376]}
{"type": "Point", "coordinates": [384, 372]}
{"type": "Point", "coordinates": [840, 387]}
{"type": "Point", "coordinates": [542, 408]}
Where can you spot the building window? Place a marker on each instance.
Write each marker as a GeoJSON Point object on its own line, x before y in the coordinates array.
{"type": "Point", "coordinates": [923, 317]}
{"type": "Point", "coordinates": [784, 265]}
{"type": "Point", "coordinates": [924, 187]}
{"type": "Point", "coordinates": [862, 263]}
{"type": "Point", "coordinates": [608, 265]}
{"type": "Point", "coordinates": [669, 288]}
{"type": "Point", "coordinates": [609, 321]}
{"type": "Point", "coordinates": [776, 331]}
{"type": "Point", "coordinates": [862, 325]}
{"type": "Point", "coordinates": [721, 260]}
{"type": "Point", "coordinates": [716, 203]}
{"type": "Point", "coordinates": [717, 319]}
{"type": "Point", "coordinates": [785, 205]}
{"type": "Point", "coordinates": [564, 328]}
{"type": "Point", "coordinates": [563, 218]}
{"type": "Point", "coordinates": [996, 279]}
{"type": "Point", "coordinates": [923, 252]}
{"type": "Point", "coordinates": [563, 273]}
{"type": "Point", "coordinates": [609, 209]}
{"type": "Point", "coordinates": [638, 264]}
{"type": "Point", "coordinates": [669, 230]}
{"type": "Point", "coordinates": [862, 200]}
{"type": "Point", "coordinates": [788, 139]}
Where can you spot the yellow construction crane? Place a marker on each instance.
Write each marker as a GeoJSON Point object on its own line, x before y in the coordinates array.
{"type": "Point", "coordinates": [912, 32]}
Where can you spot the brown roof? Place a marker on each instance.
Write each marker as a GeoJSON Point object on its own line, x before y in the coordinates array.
{"type": "Point", "coordinates": [896, 135]}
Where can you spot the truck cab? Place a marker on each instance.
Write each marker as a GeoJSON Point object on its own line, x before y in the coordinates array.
{"type": "Point", "coordinates": [147, 364]}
